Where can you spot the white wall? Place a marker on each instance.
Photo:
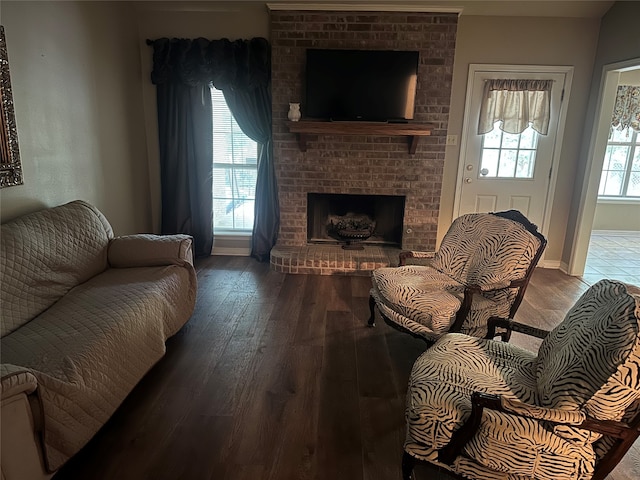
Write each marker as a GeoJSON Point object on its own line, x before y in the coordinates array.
{"type": "Point", "coordinates": [525, 41]}
{"type": "Point", "coordinates": [617, 216]}
{"type": "Point", "coordinates": [75, 74]}
{"type": "Point", "coordinates": [619, 41]}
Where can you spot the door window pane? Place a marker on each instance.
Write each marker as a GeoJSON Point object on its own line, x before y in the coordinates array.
{"type": "Point", "coordinates": [492, 139]}
{"type": "Point", "coordinates": [507, 155]}
{"type": "Point", "coordinates": [528, 139]}
{"type": "Point", "coordinates": [510, 140]}
{"type": "Point", "coordinates": [525, 164]}
{"type": "Point", "coordinates": [489, 161]}
{"type": "Point", "coordinates": [507, 166]}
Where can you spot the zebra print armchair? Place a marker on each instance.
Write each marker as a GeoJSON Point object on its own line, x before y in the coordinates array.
{"type": "Point", "coordinates": [481, 270]}
{"type": "Point", "coordinates": [486, 409]}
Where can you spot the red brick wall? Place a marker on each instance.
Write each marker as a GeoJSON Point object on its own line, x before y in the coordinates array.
{"type": "Point", "coordinates": [362, 164]}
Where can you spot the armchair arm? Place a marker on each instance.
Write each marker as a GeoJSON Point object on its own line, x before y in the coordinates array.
{"type": "Point", "coordinates": [146, 250]}
{"type": "Point", "coordinates": [567, 417]}
{"type": "Point", "coordinates": [512, 326]}
{"type": "Point", "coordinates": [502, 285]}
{"type": "Point", "coordinates": [472, 289]}
{"type": "Point", "coordinates": [465, 307]}
{"type": "Point", "coordinates": [406, 254]}
{"type": "Point", "coordinates": [577, 419]}
{"type": "Point", "coordinates": [15, 380]}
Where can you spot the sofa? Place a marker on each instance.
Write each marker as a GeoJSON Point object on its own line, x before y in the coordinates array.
{"type": "Point", "coordinates": [85, 315]}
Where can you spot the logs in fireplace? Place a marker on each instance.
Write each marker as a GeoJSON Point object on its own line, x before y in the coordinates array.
{"type": "Point", "coordinates": [351, 228]}
{"type": "Point", "coordinates": [355, 220]}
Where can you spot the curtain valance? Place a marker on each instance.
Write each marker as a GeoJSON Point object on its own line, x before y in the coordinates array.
{"type": "Point", "coordinates": [517, 104]}
{"type": "Point", "coordinates": [243, 64]}
{"type": "Point", "coordinates": [183, 70]}
{"type": "Point", "coordinates": [626, 112]}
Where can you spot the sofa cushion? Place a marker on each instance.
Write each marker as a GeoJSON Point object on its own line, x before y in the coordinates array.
{"type": "Point", "coordinates": [90, 349]}
{"type": "Point", "coordinates": [45, 254]}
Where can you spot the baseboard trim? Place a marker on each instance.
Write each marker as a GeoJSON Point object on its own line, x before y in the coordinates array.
{"type": "Point", "coordinates": [614, 233]}
{"type": "Point", "coordinates": [232, 251]}
{"type": "Point", "coordinates": [553, 264]}
{"type": "Point", "coordinates": [564, 267]}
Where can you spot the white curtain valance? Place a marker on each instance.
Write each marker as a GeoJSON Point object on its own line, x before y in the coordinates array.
{"type": "Point", "coordinates": [626, 112]}
{"type": "Point", "coordinates": [517, 104]}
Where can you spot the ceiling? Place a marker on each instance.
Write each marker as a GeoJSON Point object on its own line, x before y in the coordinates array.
{"type": "Point", "coordinates": [530, 8]}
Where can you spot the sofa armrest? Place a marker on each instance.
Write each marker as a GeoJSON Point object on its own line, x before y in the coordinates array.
{"type": "Point", "coordinates": [147, 250]}
{"type": "Point", "coordinates": [15, 380]}
{"type": "Point", "coordinates": [21, 455]}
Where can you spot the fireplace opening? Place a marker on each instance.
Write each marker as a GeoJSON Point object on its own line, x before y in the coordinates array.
{"type": "Point", "coordinates": [354, 220]}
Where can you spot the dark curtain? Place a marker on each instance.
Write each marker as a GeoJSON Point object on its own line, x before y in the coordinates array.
{"type": "Point", "coordinates": [186, 148]}
{"type": "Point", "coordinates": [242, 70]}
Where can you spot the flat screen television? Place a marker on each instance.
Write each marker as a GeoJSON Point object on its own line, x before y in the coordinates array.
{"type": "Point", "coordinates": [360, 85]}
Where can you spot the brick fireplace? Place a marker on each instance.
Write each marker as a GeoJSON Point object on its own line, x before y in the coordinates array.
{"type": "Point", "coordinates": [382, 213]}
{"type": "Point", "coordinates": [362, 164]}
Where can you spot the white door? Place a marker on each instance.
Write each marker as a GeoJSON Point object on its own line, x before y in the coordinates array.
{"type": "Point", "coordinates": [501, 171]}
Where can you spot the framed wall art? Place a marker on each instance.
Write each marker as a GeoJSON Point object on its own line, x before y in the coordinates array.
{"type": "Point", "coordinates": [10, 166]}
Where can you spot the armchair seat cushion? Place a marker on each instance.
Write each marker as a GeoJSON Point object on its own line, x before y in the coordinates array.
{"type": "Point", "coordinates": [441, 384]}
{"type": "Point", "coordinates": [425, 301]}
{"type": "Point", "coordinates": [539, 453]}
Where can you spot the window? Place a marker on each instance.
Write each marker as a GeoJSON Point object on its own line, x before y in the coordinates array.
{"type": "Point", "coordinates": [508, 155]}
{"type": "Point", "coordinates": [235, 169]}
{"type": "Point", "coordinates": [621, 170]}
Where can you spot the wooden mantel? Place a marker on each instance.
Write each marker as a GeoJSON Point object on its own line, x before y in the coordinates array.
{"type": "Point", "coordinates": [413, 131]}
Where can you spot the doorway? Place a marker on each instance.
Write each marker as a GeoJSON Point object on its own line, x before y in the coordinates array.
{"type": "Point", "coordinates": [500, 171]}
{"type": "Point", "coordinates": [592, 182]}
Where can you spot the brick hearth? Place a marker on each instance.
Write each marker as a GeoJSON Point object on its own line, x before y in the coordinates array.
{"type": "Point", "coordinates": [362, 164]}
{"type": "Point", "coordinates": [332, 259]}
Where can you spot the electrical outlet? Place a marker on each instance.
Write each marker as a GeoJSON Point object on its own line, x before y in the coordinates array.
{"type": "Point", "coordinates": [452, 139]}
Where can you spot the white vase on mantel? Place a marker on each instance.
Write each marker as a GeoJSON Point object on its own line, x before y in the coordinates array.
{"type": "Point", "coordinates": [294, 112]}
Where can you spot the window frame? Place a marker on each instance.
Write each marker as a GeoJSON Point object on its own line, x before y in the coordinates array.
{"type": "Point", "coordinates": [634, 145]}
{"type": "Point", "coordinates": [230, 167]}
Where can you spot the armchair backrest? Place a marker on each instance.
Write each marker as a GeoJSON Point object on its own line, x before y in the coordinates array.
{"type": "Point", "coordinates": [591, 360]}
{"type": "Point", "coordinates": [486, 249]}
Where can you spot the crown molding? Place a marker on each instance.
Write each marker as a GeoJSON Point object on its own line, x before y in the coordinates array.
{"type": "Point", "coordinates": [363, 7]}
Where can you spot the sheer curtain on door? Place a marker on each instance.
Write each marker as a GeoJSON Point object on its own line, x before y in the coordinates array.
{"type": "Point", "coordinates": [517, 104]}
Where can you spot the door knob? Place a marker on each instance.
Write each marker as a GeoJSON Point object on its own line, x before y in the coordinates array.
{"type": "Point", "coordinates": [484, 171]}
{"type": "Point", "coordinates": [469, 167]}
{"type": "Point", "coordinates": [467, 180]}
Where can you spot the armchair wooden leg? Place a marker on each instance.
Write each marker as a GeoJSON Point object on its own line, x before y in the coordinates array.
{"type": "Point", "coordinates": [372, 309]}
{"type": "Point", "coordinates": [408, 462]}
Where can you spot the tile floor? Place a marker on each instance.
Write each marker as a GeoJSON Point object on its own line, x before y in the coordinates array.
{"type": "Point", "coordinates": [614, 255]}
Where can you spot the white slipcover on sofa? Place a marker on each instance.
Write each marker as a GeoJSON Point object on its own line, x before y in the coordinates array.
{"type": "Point", "coordinates": [84, 317]}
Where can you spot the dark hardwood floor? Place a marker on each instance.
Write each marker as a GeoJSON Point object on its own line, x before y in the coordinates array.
{"type": "Point", "coordinates": [278, 377]}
